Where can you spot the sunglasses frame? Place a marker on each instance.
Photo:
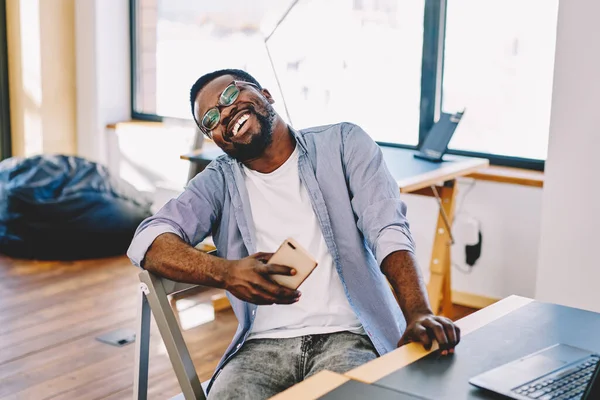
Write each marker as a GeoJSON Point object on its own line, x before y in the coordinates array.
{"type": "Point", "coordinates": [237, 84]}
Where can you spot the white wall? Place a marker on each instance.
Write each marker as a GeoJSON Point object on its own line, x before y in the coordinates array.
{"type": "Point", "coordinates": [41, 57]}
{"type": "Point", "coordinates": [509, 216]}
{"type": "Point", "coordinates": [103, 85]}
{"type": "Point", "coordinates": [569, 271]}
{"type": "Point", "coordinates": [148, 156]}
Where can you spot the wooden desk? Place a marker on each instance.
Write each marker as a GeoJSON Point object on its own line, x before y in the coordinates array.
{"type": "Point", "coordinates": [414, 176]}
{"type": "Point", "coordinates": [325, 381]}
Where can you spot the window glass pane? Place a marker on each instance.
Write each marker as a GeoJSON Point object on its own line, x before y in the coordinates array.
{"type": "Point", "coordinates": [353, 60]}
{"type": "Point", "coordinates": [336, 60]}
{"type": "Point", "coordinates": [499, 63]}
{"type": "Point", "coordinates": [180, 40]}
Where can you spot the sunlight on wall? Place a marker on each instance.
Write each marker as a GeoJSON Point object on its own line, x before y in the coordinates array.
{"type": "Point", "coordinates": [31, 67]}
{"type": "Point", "coordinates": [147, 156]}
{"type": "Point", "coordinates": [42, 76]}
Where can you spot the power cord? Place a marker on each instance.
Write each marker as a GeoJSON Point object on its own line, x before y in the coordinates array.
{"type": "Point", "coordinates": [466, 269]}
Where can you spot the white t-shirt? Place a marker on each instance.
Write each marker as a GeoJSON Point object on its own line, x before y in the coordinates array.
{"type": "Point", "coordinates": [281, 208]}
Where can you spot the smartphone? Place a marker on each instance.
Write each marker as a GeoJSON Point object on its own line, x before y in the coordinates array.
{"type": "Point", "coordinates": [291, 254]}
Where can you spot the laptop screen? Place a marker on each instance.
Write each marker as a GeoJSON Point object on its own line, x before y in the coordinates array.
{"type": "Point", "coordinates": [436, 142]}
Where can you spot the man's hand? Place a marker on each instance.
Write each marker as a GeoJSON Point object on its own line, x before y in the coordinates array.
{"type": "Point", "coordinates": [426, 328]}
{"type": "Point", "coordinates": [249, 279]}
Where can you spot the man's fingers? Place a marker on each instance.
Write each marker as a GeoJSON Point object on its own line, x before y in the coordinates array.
{"type": "Point", "coordinates": [262, 256]}
{"type": "Point", "coordinates": [262, 300]}
{"type": "Point", "coordinates": [420, 333]}
{"type": "Point", "coordinates": [281, 294]}
{"type": "Point", "coordinates": [438, 333]}
{"type": "Point", "coordinates": [275, 269]}
{"type": "Point", "coordinates": [416, 333]}
{"type": "Point", "coordinates": [457, 337]}
{"type": "Point", "coordinates": [263, 297]}
{"type": "Point", "coordinates": [431, 328]}
{"type": "Point", "coordinates": [404, 339]}
{"type": "Point", "coordinates": [451, 333]}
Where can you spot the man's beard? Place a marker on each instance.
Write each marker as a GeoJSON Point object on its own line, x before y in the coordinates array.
{"type": "Point", "coordinates": [258, 144]}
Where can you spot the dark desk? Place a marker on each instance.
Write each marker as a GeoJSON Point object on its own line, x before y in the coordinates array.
{"type": "Point", "coordinates": [495, 335]}
{"type": "Point", "coordinates": [524, 331]}
{"type": "Point", "coordinates": [414, 176]}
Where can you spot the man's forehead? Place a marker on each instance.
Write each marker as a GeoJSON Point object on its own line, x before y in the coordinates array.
{"type": "Point", "coordinates": [213, 89]}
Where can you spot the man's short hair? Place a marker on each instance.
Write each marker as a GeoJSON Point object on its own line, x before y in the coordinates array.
{"type": "Point", "coordinates": [205, 79]}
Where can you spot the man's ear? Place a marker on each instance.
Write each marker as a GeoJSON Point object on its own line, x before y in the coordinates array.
{"type": "Point", "coordinates": [267, 95]}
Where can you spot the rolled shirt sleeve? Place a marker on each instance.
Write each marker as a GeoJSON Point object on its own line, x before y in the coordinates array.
{"type": "Point", "coordinates": [190, 216]}
{"type": "Point", "coordinates": [142, 241]}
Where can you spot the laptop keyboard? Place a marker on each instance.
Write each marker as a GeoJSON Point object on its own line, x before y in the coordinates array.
{"type": "Point", "coordinates": [567, 384]}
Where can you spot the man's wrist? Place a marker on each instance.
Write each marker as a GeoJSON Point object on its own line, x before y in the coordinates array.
{"type": "Point", "coordinates": [222, 269]}
{"type": "Point", "coordinates": [415, 314]}
{"type": "Point", "coordinates": [214, 270]}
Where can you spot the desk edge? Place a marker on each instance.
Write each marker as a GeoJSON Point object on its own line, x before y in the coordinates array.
{"type": "Point", "coordinates": [313, 387]}
{"type": "Point", "coordinates": [446, 173]}
{"type": "Point", "coordinates": [391, 362]}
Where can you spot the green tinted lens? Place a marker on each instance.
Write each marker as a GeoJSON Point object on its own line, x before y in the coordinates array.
{"type": "Point", "coordinates": [211, 119]}
{"type": "Point", "coordinates": [229, 95]}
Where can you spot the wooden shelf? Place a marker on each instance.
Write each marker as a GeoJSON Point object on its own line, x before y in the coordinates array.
{"type": "Point", "coordinates": [135, 123]}
{"type": "Point", "coordinates": [516, 176]}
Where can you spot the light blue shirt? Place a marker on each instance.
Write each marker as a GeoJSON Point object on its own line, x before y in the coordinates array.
{"type": "Point", "coordinates": [357, 203]}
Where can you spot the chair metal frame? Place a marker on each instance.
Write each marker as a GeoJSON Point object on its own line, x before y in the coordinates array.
{"type": "Point", "coordinates": [153, 300]}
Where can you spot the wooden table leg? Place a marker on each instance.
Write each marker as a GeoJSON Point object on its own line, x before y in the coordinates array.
{"type": "Point", "coordinates": [439, 287]}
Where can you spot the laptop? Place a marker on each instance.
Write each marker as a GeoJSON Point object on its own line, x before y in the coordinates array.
{"type": "Point", "coordinates": [558, 372]}
{"type": "Point", "coordinates": [435, 144]}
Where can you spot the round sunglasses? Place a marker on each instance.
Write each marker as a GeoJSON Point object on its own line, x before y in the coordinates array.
{"type": "Point", "coordinates": [211, 118]}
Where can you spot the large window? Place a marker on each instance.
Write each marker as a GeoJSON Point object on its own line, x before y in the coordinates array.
{"type": "Point", "coordinates": [390, 66]}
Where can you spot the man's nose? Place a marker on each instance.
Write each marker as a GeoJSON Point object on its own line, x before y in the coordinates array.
{"type": "Point", "coordinates": [226, 114]}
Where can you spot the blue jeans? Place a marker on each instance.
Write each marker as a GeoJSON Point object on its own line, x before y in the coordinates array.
{"type": "Point", "coordinates": [265, 367]}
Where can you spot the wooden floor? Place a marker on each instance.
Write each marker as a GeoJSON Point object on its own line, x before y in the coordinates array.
{"type": "Point", "coordinates": [51, 313]}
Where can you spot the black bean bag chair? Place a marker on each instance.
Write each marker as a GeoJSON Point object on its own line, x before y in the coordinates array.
{"type": "Point", "coordinates": [55, 207]}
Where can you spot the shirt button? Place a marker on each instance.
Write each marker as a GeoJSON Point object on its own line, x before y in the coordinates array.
{"type": "Point", "coordinates": [238, 346]}
{"type": "Point", "coordinates": [253, 312]}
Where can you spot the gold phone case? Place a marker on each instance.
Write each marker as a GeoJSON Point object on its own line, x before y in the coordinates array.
{"type": "Point", "coordinates": [291, 254]}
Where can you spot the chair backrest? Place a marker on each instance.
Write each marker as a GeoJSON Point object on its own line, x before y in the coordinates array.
{"type": "Point", "coordinates": [154, 298]}
{"type": "Point", "coordinates": [172, 287]}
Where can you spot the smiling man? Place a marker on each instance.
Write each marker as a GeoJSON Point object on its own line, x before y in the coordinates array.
{"type": "Point", "coordinates": [328, 188]}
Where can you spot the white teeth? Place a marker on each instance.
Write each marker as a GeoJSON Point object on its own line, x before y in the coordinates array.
{"type": "Point", "coordinates": [239, 123]}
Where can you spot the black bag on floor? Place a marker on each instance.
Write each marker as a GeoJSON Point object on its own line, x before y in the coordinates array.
{"type": "Point", "coordinates": [56, 207]}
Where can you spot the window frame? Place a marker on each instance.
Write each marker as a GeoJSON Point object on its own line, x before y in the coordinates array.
{"type": "Point", "coordinates": [432, 66]}
{"type": "Point", "coordinates": [5, 128]}
{"type": "Point", "coordinates": [134, 53]}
